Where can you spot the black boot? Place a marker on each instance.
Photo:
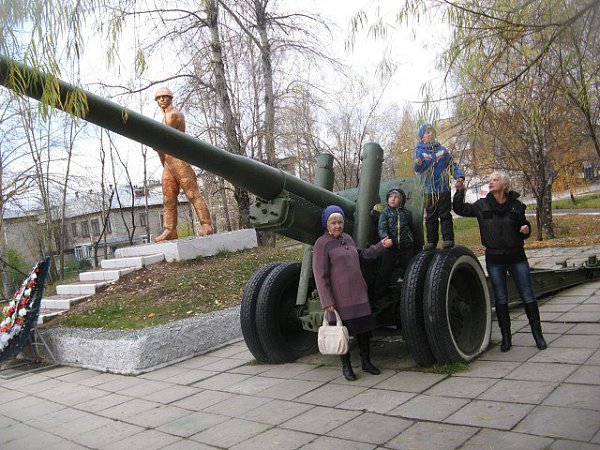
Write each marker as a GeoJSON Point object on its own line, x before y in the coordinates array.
{"type": "Point", "coordinates": [347, 368]}
{"type": "Point", "coordinates": [365, 354]}
{"type": "Point", "coordinates": [504, 324]}
{"type": "Point", "coordinates": [533, 314]}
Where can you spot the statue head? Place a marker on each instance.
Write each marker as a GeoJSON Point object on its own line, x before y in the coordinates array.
{"type": "Point", "coordinates": [164, 97]}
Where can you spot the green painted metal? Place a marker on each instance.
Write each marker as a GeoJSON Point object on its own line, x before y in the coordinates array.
{"type": "Point", "coordinates": [549, 281]}
{"type": "Point", "coordinates": [368, 190]}
{"type": "Point", "coordinates": [324, 177]}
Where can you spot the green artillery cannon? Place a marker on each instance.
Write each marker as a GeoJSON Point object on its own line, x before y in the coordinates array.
{"type": "Point", "coordinates": [443, 305]}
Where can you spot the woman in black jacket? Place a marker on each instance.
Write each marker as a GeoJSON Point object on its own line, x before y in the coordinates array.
{"type": "Point", "coordinates": [503, 229]}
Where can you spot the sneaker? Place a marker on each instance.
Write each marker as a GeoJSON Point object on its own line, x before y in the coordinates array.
{"type": "Point", "coordinates": [448, 244]}
{"type": "Point", "coordinates": [430, 246]}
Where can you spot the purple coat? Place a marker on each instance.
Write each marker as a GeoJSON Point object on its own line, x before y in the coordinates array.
{"type": "Point", "coordinates": [336, 267]}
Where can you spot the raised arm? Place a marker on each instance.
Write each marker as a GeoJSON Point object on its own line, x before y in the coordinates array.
{"type": "Point", "coordinates": [459, 205]}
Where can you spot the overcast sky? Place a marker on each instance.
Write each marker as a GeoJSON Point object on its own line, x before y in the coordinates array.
{"type": "Point", "coordinates": [413, 55]}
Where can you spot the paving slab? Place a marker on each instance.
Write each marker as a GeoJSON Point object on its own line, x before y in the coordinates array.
{"type": "Point", "coordinates": [146, 440]}
{"type": "Point", "coordinates": [237, 405]}
{"type": "Point", "coordinates": [320, 420]}
{"type": "Point", "coordinates": [506, 440]}
{"type": "Point", "coordinates": [570, 445]}
{"type": "Point", "coordinates": [515, 391]}
{"type": "Point", "coordinates": [489, 414]}
{"type": "Point", "coordinates": [191, 424]}
{"type": "Point", "coordinates": [279, 438]}
{"type": "Point", "coordinates": [156, 417]}
{"type": "Point", "coordinates": [107, 434]}
{"type": "Point", "coordinates": [425, 435]}
{"type": "Point", "coordinates": [276, 412]}
{"type": "Point", "coordinates": [426, 407]}
{"type": "Point", "coordinates": [561, 422]}
{"type": "Point", "coordinates": [594, 359]}
{"type": "Point", "coordinates": [411, 381]}
{"type": "Point", "coordinates": [329, 443]}
{"type": "Point", "coordinates": [202, 400]}
{"type": "Point", "coordinates": [289, 389]}
{"type": "Point", "coordinates": [253, 385]}
{"type": "Point", "coordinates": [575, 396]}
{"type": "Point", "coordinates": [461, 387]}
{"type": "Point", "coordinates": [377, 400]}
{"type": "Point", "coordinates": [585, 375]}
{"type": "Point", "coordinates": [567, 355]}
{"type": "Point", "coordinates": [331, 394]}
{"type": "Point", "coordinates": [534, 371]}
{"type": "Point", "coordinates": [229, 433]}
{"type": "Point", "coordinates": [585, 328]}
{"type": "Point", "coordinates": [371, 428]}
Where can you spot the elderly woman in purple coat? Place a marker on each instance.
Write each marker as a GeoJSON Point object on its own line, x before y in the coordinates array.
{"type": "Point", "coordinates": [341, 286]}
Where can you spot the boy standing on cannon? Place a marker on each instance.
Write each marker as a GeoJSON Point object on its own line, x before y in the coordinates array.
{"type": "Point", "coordinates": [434, 164]}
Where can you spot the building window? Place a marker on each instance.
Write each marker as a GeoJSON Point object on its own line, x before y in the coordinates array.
{"type": "Point", "coordinates": [74, 229]}
{"type": "Point", "coordinates": [85, 229]}
{"type": "Point", "coordinates": [108, 226]}
{"type": "Point", "coordinates": [95, 227]}
{"type": "Point", "coordinates": [143, 220]}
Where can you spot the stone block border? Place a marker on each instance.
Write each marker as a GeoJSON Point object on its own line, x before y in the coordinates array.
{"type": "Point", "coordinates": [139, 351]}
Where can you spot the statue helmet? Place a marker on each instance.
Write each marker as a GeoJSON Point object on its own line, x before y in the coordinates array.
{"type": "Point", "coordinates": [163, 91]}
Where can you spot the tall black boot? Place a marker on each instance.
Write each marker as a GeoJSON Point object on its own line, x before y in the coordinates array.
{"type": "Point", "coordinates": [347, 368]}
{"type": "Point", "coordinates": [533, 314]}
{"type": "Point", "coordinates": [504, 324]}
{"type": "Point", "coordinates": [364, 347]}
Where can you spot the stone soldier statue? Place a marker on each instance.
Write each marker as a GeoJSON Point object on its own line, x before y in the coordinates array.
{"type": "Point", "coordinates": [178, 174]}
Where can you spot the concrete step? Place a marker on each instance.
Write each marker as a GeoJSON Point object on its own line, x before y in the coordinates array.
{"type": "Point", "coordinates": [106, 274]}
{"type": "Point", "coordinates": [80, 288]}
{"type": "Point", "coordinates": [61, 301]}
{"type": "Point", "coordinates": [46, 315]}
{"type": "Point", "coordinates": [138, 261]}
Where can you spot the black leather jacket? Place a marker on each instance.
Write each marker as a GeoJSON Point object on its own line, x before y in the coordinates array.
{"type": "Point", "coordinates": [498, 224]}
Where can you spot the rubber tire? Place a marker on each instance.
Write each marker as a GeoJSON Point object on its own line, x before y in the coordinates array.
{"type": "Point", "coordinates": [411, 309]}
{"type": "Point", "coordinates": [248, 312]}
{"type": "Point", "coordinates": [457, 306]}
{"type": "Point", "coordinates": [281, 334]}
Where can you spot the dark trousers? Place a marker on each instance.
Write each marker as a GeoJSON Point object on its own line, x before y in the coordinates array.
{"type": "Point", "coordinates": [438, 208]}
{"type": "Point", "coordinates": [392, 258]}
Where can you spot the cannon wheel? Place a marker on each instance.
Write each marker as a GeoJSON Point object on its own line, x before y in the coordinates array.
{"type": "Point", "coordinates": [458, 313]}
{"type": "Point", "coordinates": [411, 309]}
{"type": "Point", "coordinates": [278, 318]}
{"type": "Point", "coordinates": [248, 312]}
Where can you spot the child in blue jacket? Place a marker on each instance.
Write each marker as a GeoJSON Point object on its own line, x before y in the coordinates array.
{"type": "Point", "coordinates": [434, 164]}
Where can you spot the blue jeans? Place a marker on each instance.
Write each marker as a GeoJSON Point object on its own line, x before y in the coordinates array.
{"type": "Point", "coordinates": [519, 273]}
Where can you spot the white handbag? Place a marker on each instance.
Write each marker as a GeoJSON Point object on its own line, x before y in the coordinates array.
{"type": "Point", "coordinates": [333, 339]}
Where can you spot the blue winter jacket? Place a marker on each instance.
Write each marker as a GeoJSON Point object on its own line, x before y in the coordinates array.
{"type": "Point", "coordinates": [436, 162]}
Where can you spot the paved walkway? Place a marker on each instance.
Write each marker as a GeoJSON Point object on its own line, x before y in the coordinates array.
{"type": "Point", "coordinates": [522, 399]}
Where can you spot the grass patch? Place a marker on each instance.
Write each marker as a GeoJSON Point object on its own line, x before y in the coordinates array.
{"type": "Point", "coordinates": [582, 202]}
{"type": "Point", "coordinates": [447, 369]}
{"type": "Point", "coordinates": [166, 292]}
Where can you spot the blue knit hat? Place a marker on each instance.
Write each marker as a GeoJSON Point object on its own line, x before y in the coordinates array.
{"type": "Point", "coordinates": [331, 209]}
{"type": "Point", "coordinates": [423, 129]}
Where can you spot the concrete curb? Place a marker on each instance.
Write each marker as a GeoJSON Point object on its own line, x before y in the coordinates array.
{"type": "Point", "coordinates": [139, 351]}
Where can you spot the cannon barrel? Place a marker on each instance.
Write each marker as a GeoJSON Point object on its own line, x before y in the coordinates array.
{"type": "Point", "coordinates": [265, 181]}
